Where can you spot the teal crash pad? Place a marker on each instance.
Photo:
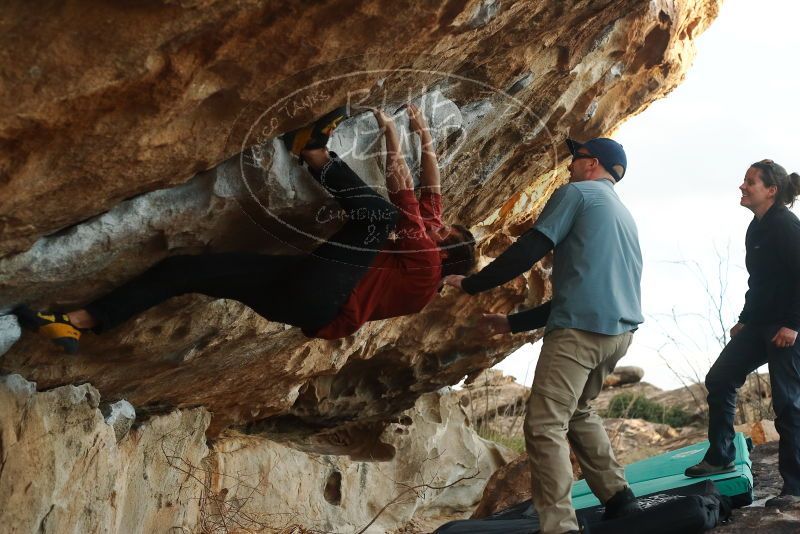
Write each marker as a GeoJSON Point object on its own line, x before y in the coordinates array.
{"type": "Point", "coordinates": [665, 471]}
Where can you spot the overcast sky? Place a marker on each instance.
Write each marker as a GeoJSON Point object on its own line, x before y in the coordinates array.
{"type": "Point", "coordinates": [687, 155]}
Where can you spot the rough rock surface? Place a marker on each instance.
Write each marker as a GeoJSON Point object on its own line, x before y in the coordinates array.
{"type": "Point", "coordinates": [144, 96]}
{"type": "Point", "coordinates": [176, 90]}
{"type": "Point", "coordinates": [276, 380]}
{"type": "Point", "coordinates": [162, 476]}
{"type": "Point", "coordinates": [508, 486]}
{"type": "Point", "coordinates": [79, 464]}
{"type": "Point", "coordinates": [9, 332]}
{"type": "Point", "coordinates": [148, 130]}
{"type": "Point", "coordinates": [435, 446]}
{"type": "Point", "coordinates": [120, 415]}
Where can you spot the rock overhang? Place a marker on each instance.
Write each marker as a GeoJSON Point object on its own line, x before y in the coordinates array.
{"type": "Point", "coordinates": [177, 93]}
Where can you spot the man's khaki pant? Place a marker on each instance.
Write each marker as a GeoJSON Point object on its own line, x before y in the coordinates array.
{"type": "Point", "coordinates": [569, 375]}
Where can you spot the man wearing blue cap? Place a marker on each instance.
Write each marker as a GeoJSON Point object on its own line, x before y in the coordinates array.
{"type": "Point", "coordinates": [596, 306]}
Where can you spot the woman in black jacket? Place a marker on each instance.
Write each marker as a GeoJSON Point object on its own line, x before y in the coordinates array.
{"type": "Point", "coordinates": [767, 328]}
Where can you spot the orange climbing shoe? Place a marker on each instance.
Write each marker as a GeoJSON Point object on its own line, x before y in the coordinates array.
{"type": "Point", "coordinates": [316, 134]}
{"type": "Point", "coordinates": [54, 326]}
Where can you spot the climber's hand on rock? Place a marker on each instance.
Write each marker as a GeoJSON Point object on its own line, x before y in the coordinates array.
{"type": "Point", "coordinates": [416, 119]}
{"type": "Point", "coordinates": [384, 120]}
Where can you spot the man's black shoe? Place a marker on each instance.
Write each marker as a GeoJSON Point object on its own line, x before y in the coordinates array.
{"type": "Point", "coordinates": [621, 504]}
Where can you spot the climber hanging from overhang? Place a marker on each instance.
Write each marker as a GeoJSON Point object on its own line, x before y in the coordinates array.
{"type": "Point", "coordinates": [387, 260]}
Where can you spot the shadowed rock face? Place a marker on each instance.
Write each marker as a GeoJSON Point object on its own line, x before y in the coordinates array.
{"type": "Point", "coordinates": [176, 109]}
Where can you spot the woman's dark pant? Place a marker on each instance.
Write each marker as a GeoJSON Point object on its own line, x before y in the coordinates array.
{"type": "Point", "coordinates": [750, 349]}
{"type": "Point", "coordinates": [305, 291]}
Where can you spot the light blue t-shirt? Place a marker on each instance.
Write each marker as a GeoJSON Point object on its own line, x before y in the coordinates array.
{"type": "Point", "coordinates": [597, 263]}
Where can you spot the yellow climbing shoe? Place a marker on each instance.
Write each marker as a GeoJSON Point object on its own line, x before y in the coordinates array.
{"type": "Point", "coordinates": [316, 134]}
{"type": "Point", "coordinates": [54, 326]}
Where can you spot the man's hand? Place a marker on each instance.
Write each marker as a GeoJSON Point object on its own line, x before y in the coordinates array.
{"type": "Point", "coordinates": [784, 338]}
{"type": "Point", "coordinates": [453, 280]}
{"type": "Point", "coordinates": [492, 324]}
{"type": "Point", "coordinates": [416, 119]}
{"type": "Point", "coordinates": [736, 329]}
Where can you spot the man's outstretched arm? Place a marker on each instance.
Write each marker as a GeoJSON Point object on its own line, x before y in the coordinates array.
{"type": "Point", "coordinates": [515, 260]}
{"type": "Point", "coordinates": [524, 321]}
{"type": "Point", "coordinates": [530, 319]}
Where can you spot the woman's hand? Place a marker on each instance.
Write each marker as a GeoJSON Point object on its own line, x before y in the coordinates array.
{"type": "Point", "coordinates": [736, 329]}
{"type": "Point", "coordinates": [492, 324]}
{"type": "Point", "coordinates": [784, 338]}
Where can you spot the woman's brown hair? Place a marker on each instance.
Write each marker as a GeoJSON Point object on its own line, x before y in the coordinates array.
{"type": "Point", "coordinates": [773, 174]}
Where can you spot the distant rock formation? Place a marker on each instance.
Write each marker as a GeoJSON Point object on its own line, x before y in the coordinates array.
{"type": "Point", "coordinates": [624, 375]}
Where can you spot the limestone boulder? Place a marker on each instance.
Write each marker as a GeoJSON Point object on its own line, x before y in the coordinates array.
{"type": "Point", "coordinates": [9, 332]}
{"type": "Point", "coordinates": [764, 431]}
{"type": "Point", "coordinates": [276, 381]}
{"type": "Point", "coordinates": [130, 132]}
{"type": "Point", "coordinates": [437, 473]}
{"type": "Point", "coordinates": [623, 375]}
{"type": "Point", "coordinates": [492, 397]}
{"type": "Point", "coordinates": [65, 470]}
{"type": "Point", "coordinates": [508, 486]}
{"type": "Point", "coordinates": [120, 415]}
{"type": "Point", "coordinates": [142, 97]}
{"type": "Point", "coordinates": [511, 485]}
{"type": "Point", "coordinates": [145, 131]}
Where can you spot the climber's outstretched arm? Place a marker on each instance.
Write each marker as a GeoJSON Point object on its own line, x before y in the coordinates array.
{"type": "Point", "coordinates": [429, 179]}
{"type": "Point", "coordinates": [398, 175]}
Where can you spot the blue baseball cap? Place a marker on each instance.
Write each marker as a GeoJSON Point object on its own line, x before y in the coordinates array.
{"type": "Point", "coordinates": [608, 152]}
